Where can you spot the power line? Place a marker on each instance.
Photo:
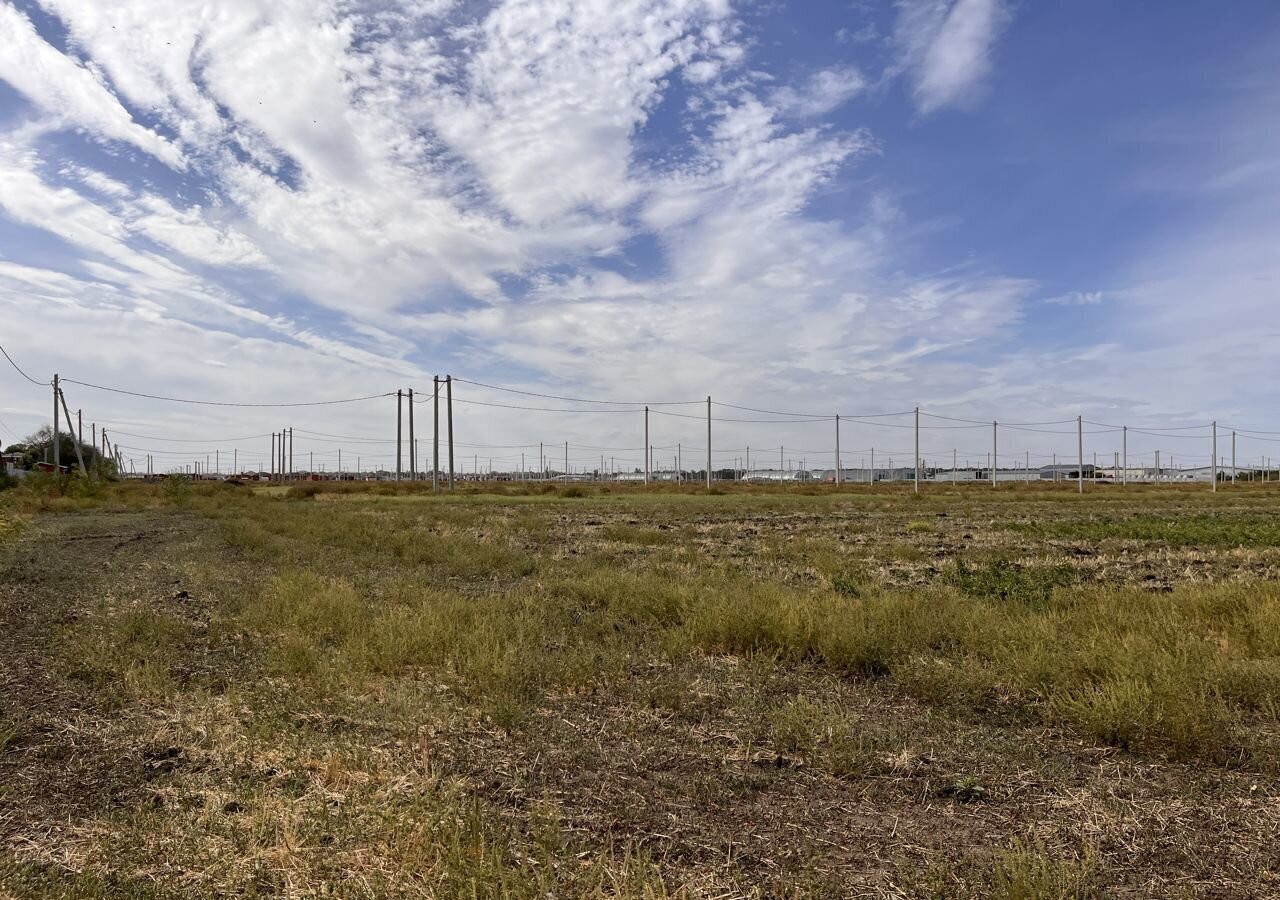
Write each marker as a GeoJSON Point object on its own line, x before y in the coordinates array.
{"type": "Point", "coordinates": [22, 373]}
{"type": "Point", "coordinates": [101, 387]}
{"type": "Point", "coordinates": [495, 387]}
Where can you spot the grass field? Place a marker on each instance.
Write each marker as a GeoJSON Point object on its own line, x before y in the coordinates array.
{"type": "Point", "coordinates": [1017, 693]}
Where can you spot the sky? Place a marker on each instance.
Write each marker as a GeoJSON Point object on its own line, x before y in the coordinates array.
{"type": "Point", "coordinates": [987, 209]}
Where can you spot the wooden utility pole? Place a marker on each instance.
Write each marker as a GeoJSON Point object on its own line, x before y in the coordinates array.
{"type": "Point", "coordinates": [448, 390]}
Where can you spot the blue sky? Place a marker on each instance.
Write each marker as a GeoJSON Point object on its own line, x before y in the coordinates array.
{"type": "Point", "coordinates": [1029, 211]}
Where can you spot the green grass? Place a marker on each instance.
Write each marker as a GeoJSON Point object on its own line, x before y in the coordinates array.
{"type": "Point", "coordinates": [1177, 530]}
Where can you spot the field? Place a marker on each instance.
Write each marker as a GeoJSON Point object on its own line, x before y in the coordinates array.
{"type": "Point", "coordinates": [1017, 693]}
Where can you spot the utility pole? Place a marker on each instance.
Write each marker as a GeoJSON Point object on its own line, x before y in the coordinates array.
{"type": "Point", "coordinates": [566, 462]}
{"type": "Point", "coordinates": [871, 479]}
{"type": "Point", "coordinates": [917, 456]}
{"type": "Point", "coordinates": [1213, 463]}
{"type": "Point", "coordinates": [1124, 447]}
{"type": "Point", "coordinates": [646, 445]}
{"type": "Point", "coordinates": [1233, 457]}
{"type": "Point", "coordinates": [679, 463]}
{"type": "Point", "coordinates": [57, 451]}
{"type": "Point", "coordinates": [448, 391]}
{"type": "Point", "coordinates": [435, 436]}
{"type": "Point", "coordinates": [79, 455]}
{"type": "Point", "coordinates": [1080, 449]}
{"type": "Point", "coordinates": [271, 473]}
{"type": "Point", "coordinates": [995, 456]}
{"type": "Point", "coordinates": [708, 442]}
{"type": "Point", "coordinates": [838, 448]}
{"type": "Point", "coordinates": [413, 444]}
{"type": "Point", "coordinates": [399, 416]}
{"type": "Point", "coordinates": [291, 469]}
{"type": "Point", "coordinates": [1157, 465]}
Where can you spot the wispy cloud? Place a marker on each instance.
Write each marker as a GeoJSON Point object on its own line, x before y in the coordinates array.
{"type": "Point", "coordinates": [945, 46]}
{"type": "Point", "coordinates": [1076, 298]}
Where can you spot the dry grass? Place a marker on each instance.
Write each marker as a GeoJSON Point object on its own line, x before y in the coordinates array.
{"type": "Point", "coordinates": [564, 691]}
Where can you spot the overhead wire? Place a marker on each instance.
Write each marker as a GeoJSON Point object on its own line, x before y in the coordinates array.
{"type": "Point", "coordinates": [18, 369]}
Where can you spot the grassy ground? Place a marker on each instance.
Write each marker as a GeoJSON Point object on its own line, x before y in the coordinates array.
{"type": "Point", "coordinates": [1018, 693]}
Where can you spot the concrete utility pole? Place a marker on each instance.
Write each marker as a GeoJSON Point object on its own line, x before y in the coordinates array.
{"type": "Point", "coordinates": [646, 445]}
{"type": "Point", "coordinates": [435, 436]}
{"type": "Point", "coordinates": [1233, 457]}
{"type": "Point", "coordinates": [1124, 449]}
{"type": "Point", "coordinates": [448, 391]}
{"type": "Point", "coordinates": [566, 462]}
{"type": "Point", "coordinates": [708, 442]}
{"type": "Point", "coordinates": [1213, 462]}
{"type": "Point", "coordinates": [917, 456]}
{"type": "Point", "coordinates": [837, 449]}
{"type": "Point", "coordinates": [271, 473]}
{"type": "Point", "coordinates": [1080, 448]}
{"type": "Point", "coordinates": [413, 444]}
{"type": "Point", "coordinates": [1157, 465]}
{"type": "Point", "coordinates": [995, 455]}
{"type": "Point", "coordinates": [79, 455]}
{"type": "Point", "coordinates": [871, 477]}
{"type": "Point", "coordinates": [57, 451]}
{"type": "Point", "coordinates": [399, 417]}
{"type": "Point", "coordinates": [291, 469]}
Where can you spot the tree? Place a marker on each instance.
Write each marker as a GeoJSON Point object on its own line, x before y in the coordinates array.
{"type": "Point", "coordinates": [38, 447]}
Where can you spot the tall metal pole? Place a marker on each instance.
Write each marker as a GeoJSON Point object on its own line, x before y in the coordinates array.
{"type": "Point", "coordinates": [917, 457]}
{"type": "Point", "coordinates": [435, 434]}
{"type": "Point", "coordinates": [448, 401]}
{"type": "Point", "coordinates": [57, 451]}
{"type": "Point", "coordinates": [399, 417]}
{"type": "Point", "coordinates": [1080, 449]}
{"type": "Point", "coordinates": [413, 444]}
{"type": "Point", "coordinates": [708, 442]}
{"type": "Point", "coordinates": [837, 449]}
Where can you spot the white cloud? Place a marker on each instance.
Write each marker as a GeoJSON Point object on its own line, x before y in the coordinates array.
{"type": "Point", "coordinates": [946, 47]}
{"type": "Point", "coordinates": [825, 91]}
{"type": "Point", "coordinates": [1076, 298]}
{"type": "Point", "coordinates": [70, 91]}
